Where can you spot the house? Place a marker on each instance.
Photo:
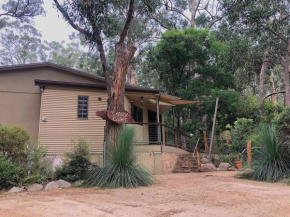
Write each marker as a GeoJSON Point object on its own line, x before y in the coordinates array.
{"type": "Point", "coordinates": [56, 104]}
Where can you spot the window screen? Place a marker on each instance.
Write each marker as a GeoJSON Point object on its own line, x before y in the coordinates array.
{"type": "Point", "coordinates": [83, 107]}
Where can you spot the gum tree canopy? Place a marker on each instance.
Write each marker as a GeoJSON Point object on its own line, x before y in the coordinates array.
{"type": "Point", "coordinates": [23, 10]}
{"type": "Point", "coordinates": [116, 22]}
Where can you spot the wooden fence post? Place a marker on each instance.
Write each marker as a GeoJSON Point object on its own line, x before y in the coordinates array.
{"type": "Point", "coordinates": [249, 153]}
{"type": "Point", "coordinates": [205, 142]}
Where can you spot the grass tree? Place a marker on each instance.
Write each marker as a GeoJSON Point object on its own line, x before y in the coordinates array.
{"type": "Point", "coordinates": [121, 169]}
{"type": "Point", "coordinates": [271, 162]}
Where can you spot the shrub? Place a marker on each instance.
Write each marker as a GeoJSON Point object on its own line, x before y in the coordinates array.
{"type": "Point", "coordinates": [10, 173]}
{"type": "Point", "coordinates": [240, 133]}
{"type": "Point", "coordinates": [37, 170]}
{"type": "Point", "coordinates": [78, 163]}
{"type": "Point", "coordinates": [283, 127]}
{"type": "Point", "coordinates": [272, 161]}
{"type": "Point", "coordinates": [121, 170]}
{"type": "Point", "coordinates": [13, 140]}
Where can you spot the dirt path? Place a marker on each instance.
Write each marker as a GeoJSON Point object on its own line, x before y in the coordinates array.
{"type": "Point", "coordinates": [194, 194]}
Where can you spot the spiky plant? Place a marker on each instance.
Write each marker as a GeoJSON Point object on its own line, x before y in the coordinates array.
{"type": "Point", "coordinates": [272, 161]}
{"type": "Point", "coordinates": [121, 169]}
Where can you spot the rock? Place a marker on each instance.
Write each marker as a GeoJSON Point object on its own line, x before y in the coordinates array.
{"type": "Point", "coordinates": [63, 184]}
{"type": "Point", "coordinates": [35, 187]}
{"type": "Point", "coordinates": [51, 186]}
{"type": "Point", "coordinates": [57, 162]}
{"type": "Point", "coordinates": [248, 171]}
{"type": "Point", "coordinates": [218, 169]}
{"type": "Point", "coordinates": [208, 167]}
{"type": "Point", "coordinates": [204, 160]}
{"type": "Point", "coordinates": [78, 183]}
{"type": "Point", "coordinates": [16, 190]}
{"type": "Point", "coordinates": [232, 169]}
{"type": "Point", "coordinates": [224, 166]}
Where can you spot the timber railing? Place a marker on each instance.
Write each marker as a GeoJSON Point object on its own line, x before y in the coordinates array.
{"type": "Point", "coordinates": [168, 136]}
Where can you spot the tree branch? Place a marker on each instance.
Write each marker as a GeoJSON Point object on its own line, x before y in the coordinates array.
{"type": "Point", "coordinates": [129, 19]}
{"type": "Point", "coordinates": [69, 20]}
{"type": "Point", "coordinates": [265, 27]}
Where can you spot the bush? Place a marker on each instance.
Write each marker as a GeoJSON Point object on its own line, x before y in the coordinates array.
{"type": "Point", "coordinates": [272, 161]}
{"type": "Point", "coordinates": [10, 173]}
{"type": "Point", "coordinates": [78, 163]}
{"type": "Point", "coordinates": [240, 134]}
{"type": "Point", "coordinates": [121, 170]}
{"type": "Point", "coordinates": [37, 170]}
{"type": "Point", "coordinates": [13, 140]}
{"type": "Point", "coordinates": [283, 127]}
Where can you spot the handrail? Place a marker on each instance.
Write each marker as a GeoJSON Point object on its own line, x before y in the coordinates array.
{"type": "Point", "coordinates": [165, 125]}
{"type": "Point", "coordinates": [197, 143]}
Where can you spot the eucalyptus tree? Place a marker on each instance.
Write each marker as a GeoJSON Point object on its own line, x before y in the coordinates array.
{"type": "Point", "coordinates": [71, 55]}
{"type": "Point", "coordinates": [269, 18]}
{"type": "Point", "coordinates": [102, 21]}
{"type": "Point", "coordinates": [196, 13]}
{"type": "Point", "coordinates": [22, 10]}
{"type": "Point", "coordinates": [21, 44]}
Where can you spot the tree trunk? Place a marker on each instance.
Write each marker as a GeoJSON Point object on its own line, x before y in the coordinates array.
{"type": "Point", "coordinates": [272, 89]}
{"type": "Point", "coordinates": [262, 77]}
{"type": "Point", "coordinates": [192, 20]}
{"type": "Point", "coordinates": [286, 74]}
{"type": "Point", "coordinates": [116, 93]}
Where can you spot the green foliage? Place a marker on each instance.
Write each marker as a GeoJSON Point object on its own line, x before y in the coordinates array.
{"type": "Point", "coordinates": [121, 170]}
{"type": "Point", "coordinates": [21, 44]}
{"type": "Point", "coordinates": [272, 161]}
{"type": "Point", "coordinates": [36, 168]}
{"type": "Point", "coordinates": [13, 140]}
{"type": "Point", "coordinates": [283, 127]}
{"type": "Point", "coordinates": [248, 108]}
{"type": "Point", "coordinates": [10, 172]}
{"type": "Point", "coordinates": [21, 9]}
{"type": "Point", "coordinates": [240, 134]}
{"type": "Point", "coordinates": [188, 64]}
{"type": "Point", "coordinates": [37, 178]}
{"type": "Point", "coordinates": [78, 163]}
{"type": "Point", "coordinates": [227, 158]}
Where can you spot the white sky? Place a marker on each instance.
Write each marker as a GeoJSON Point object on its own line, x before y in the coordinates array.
{"type": "Point", "coordinates": [52, 26]}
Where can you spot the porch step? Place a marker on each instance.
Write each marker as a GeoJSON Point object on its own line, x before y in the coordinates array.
{"type": "Point", "coordinates": [181, 171]}
{"type": "Point", "coordinates": [186, 163]}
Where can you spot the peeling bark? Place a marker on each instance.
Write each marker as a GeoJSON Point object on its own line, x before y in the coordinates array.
{"type": "Point", "coordinates": [272, 89]}
{"type": "Point", "coordinates": [193, 12]}
{"type": "Point", "coordinates": [262, 77]}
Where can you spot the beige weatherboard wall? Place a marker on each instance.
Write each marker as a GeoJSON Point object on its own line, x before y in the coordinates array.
{"type": "Point", "coordinates": [20, 98]}
{"type": "Point", "coordinates": [59, 122]}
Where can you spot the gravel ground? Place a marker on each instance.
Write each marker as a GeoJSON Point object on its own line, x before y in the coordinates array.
{"type": "Point", "coordinates": [193, 194]}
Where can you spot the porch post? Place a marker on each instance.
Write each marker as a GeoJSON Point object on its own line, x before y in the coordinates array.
{"type": "Point", "coordinates": [158, 121]}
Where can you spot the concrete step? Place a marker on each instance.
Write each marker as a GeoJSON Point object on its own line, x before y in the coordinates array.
{"type": "Point", "coordinates": [181, 171]}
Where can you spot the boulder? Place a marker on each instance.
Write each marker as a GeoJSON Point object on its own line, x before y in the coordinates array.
{"type": "Point", "coordinates": [16, 190]}
{"type": "Point", "coordinates": [232, 169]}
{"type": "Point", "coordinates": [78, 183]}
{"type": "Point", "coordinates": [248, 171]}
{"type": "Point", "coordinates": [51, 186]}
{"type": "Point", "coordinates": [204, 160]}
{"type": "Point", "coordinates": [35, 187]}
{"type": "Point", "coordinates": [224, 166]}
{"type": "Point", "coordinates": [63, 184]}
{"type": "Point", "coordinates": [208, 167]}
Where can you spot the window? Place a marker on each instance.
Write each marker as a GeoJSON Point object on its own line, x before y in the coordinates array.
{"type": "Point", "coordinates": [83, 107]}
{"type": "Point", "coordinates": [137, 113]}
